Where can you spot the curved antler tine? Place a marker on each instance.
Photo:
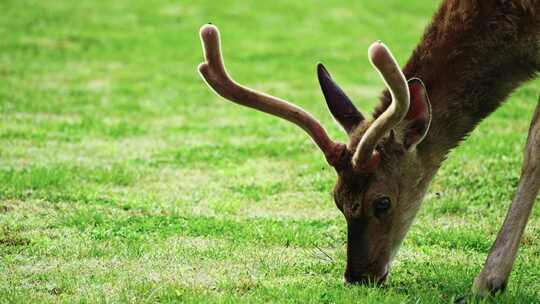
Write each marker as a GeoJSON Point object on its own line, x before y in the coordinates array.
{"type": "Point", "coordinates": [215, 74]}
{"type": "Point", "coordinates": [384, 62]}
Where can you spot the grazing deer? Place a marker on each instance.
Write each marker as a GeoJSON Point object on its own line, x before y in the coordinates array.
{"type": "Point", "coordinates": [471, 57]}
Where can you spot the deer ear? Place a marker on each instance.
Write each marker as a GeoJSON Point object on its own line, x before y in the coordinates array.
{"type": "Point", "coordinates": [413, 129]}
{"type": "Point", "coordinates": [339, 104]}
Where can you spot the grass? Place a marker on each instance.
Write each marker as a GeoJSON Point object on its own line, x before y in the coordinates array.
{"type": "Point", "coordinates": [124, 179]}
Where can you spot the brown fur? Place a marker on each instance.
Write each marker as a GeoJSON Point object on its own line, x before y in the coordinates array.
{"type": "Point", "coordinates": [471, 57]}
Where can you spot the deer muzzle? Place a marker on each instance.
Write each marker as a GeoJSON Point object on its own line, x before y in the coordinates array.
{"type": "Point", "coordinates": [365, 262]}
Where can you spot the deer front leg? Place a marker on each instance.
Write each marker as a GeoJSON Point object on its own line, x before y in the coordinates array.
{"type": "Point", "coordinates": [494, 276]}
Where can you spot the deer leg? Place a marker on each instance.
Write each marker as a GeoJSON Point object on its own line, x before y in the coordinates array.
{"type": "Point", "coordinates": [494, 276]}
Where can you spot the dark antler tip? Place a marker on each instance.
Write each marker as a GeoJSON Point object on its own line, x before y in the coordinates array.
{"type": "Point", "coordinates": [203, 66]}
{"type": "Point", "coordinates": [378, 53]}
{"type": "Point", "coordinates": [208, 31]}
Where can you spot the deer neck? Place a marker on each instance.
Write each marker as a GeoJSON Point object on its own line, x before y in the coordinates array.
{"type": "Point", "coordinates": [470, 62]}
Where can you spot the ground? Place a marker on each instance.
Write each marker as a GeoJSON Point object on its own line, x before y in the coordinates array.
{"type": "Point", "coordinates": [124, 179]}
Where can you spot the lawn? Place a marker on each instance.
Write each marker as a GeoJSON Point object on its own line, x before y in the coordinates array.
{"type": "Point", "coordinates": [124, 179]}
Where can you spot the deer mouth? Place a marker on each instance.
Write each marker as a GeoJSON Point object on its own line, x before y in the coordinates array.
{"type": "Point", "coordinates": [384, 277]}
{"type": "Point", "coordinates": [363, 278]}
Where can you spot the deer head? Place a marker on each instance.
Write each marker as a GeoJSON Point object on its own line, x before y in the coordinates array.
{"type": "Point", "coordinates": [381, 179]}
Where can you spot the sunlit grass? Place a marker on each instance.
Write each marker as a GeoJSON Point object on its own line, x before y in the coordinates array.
{"type": "Point", "coordinates": [124, 179]}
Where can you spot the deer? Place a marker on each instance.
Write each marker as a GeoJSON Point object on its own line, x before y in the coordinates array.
{"type": "Point", "coordinates": [471, 57]}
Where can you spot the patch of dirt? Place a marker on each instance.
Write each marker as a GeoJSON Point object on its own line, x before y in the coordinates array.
{"type": "Point", "coordinates": [4, 209]}
{"type": "Point", "coordinates": [14, 241]}
{"type": "Point", "coordinates": [55, 291]}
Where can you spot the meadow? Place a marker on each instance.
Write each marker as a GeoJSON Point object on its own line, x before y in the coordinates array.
{"type": "Point", "coordinates": [123, 179]}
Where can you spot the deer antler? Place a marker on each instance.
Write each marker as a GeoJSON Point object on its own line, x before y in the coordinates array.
{"type": "Point", "coordinates": [215, 74]}
{"type": "Point", "coordinates": [382, 60]}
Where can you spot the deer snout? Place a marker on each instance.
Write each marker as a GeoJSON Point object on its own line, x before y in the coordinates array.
{"type": "Point", "coordinates": [367, 261]}
{"type": "Point", "coordinates": [365, 278]}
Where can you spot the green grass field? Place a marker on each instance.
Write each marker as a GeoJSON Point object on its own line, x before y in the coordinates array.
{"type": "Point", "coordinates": [124, 179]}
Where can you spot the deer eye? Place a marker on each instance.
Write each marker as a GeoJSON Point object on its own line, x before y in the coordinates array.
{"type": "Point", "coordinates": [382, 205]}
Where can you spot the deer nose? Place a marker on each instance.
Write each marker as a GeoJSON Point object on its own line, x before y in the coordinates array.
{"type": "Point", "coordinates": [358, 278]}
{"type": "Point", "coordinates": [365, 279]}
